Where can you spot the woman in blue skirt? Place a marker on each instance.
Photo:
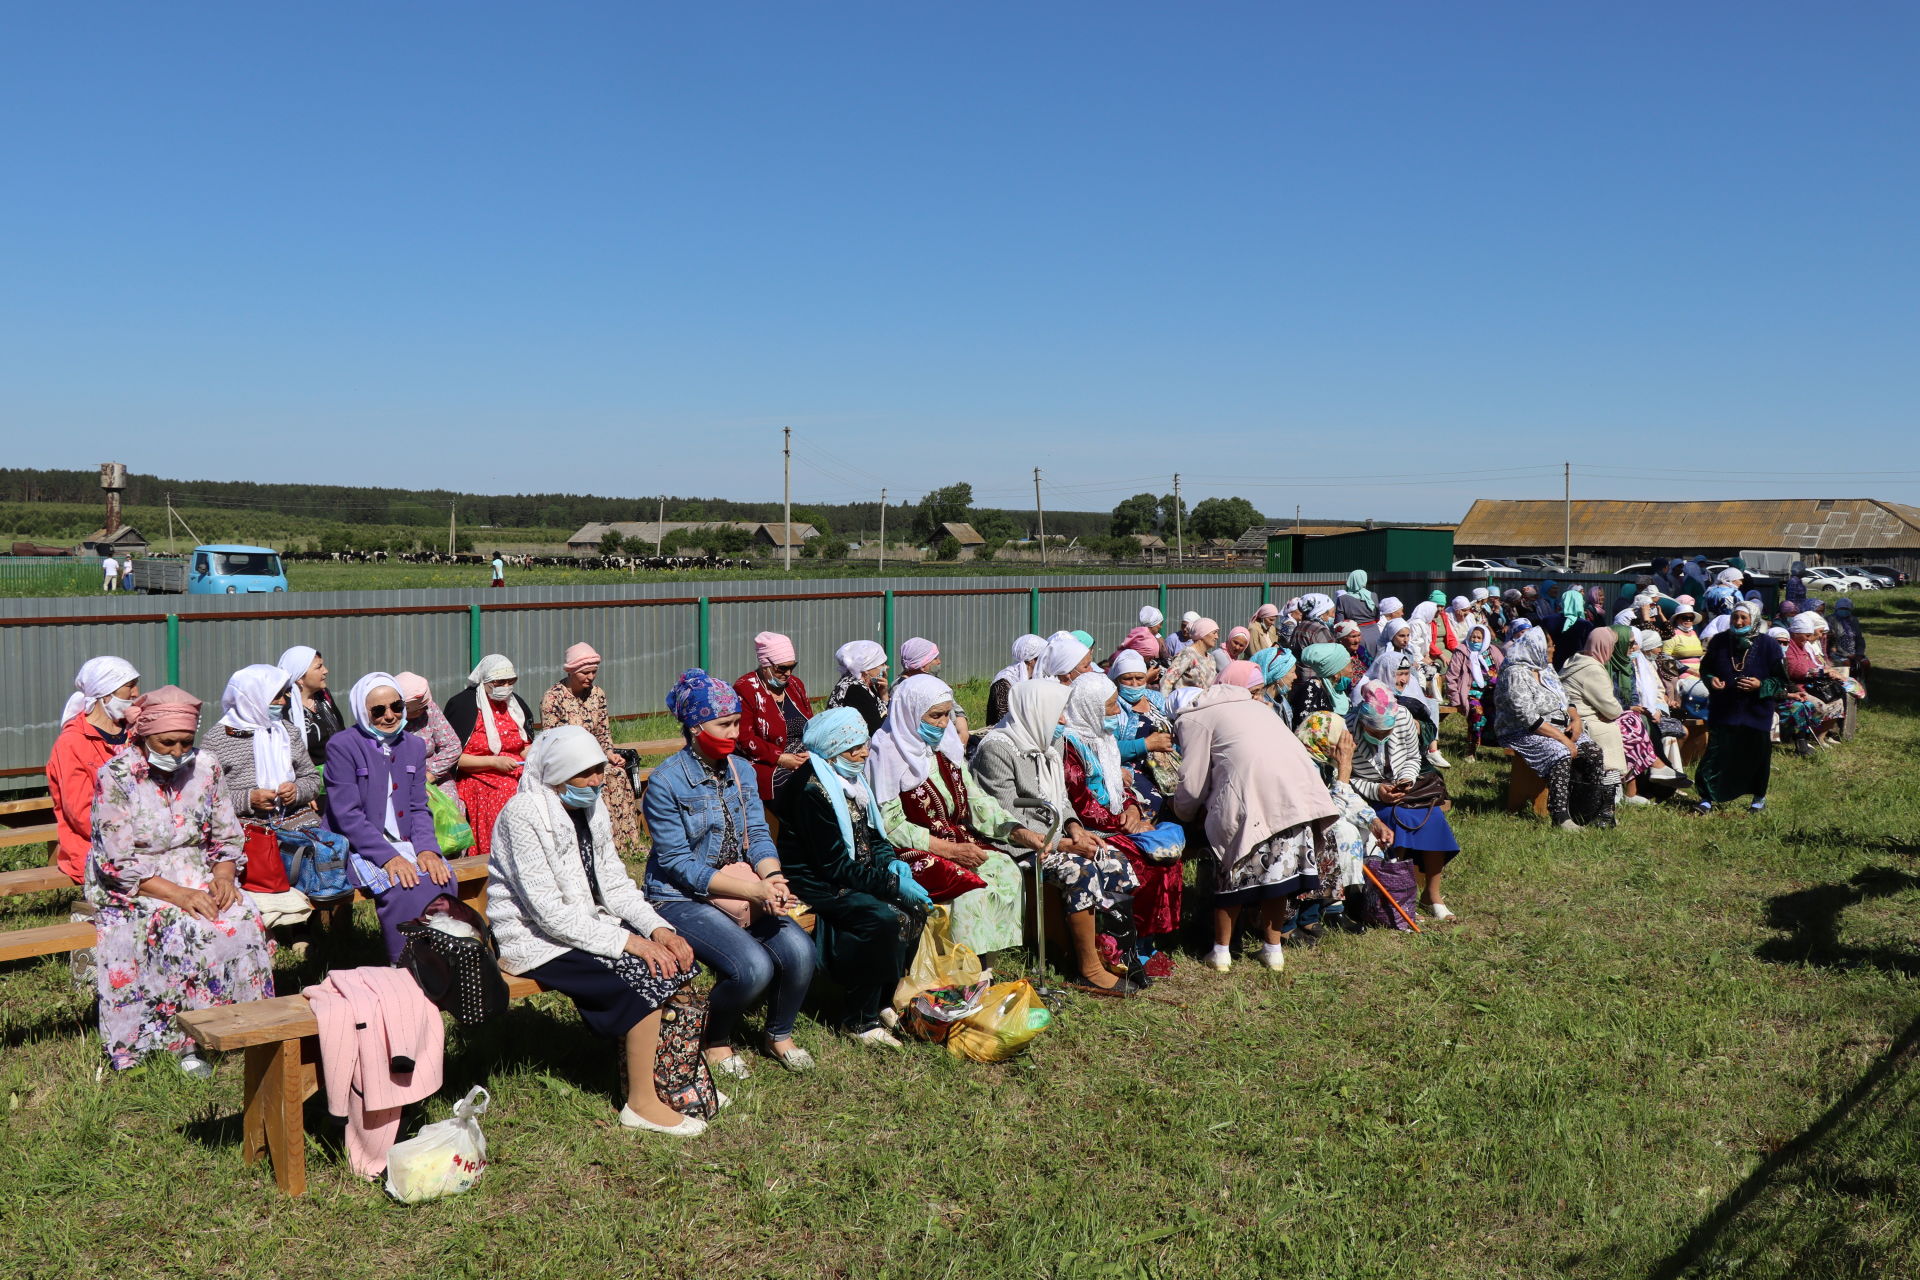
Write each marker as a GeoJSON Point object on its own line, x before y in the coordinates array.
{"type": "Point", "coordinates": [1387, 772]}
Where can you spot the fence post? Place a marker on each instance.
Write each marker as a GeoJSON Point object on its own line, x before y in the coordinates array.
{"type": "Point", "coordinates": [1266, 593]}
{"type": "Point", "coordinates": [705, 655]}
{"type": "Point", "coordinates": [1033, 610]}
{"type": "Point", "coordinates": [476, 642]}
{"type": "Point", "coordinates": [1162, 606]}
{"type": "Point", "coordinates": [173, 648]}
{"type": "Point", "coordinates": [886, 628]}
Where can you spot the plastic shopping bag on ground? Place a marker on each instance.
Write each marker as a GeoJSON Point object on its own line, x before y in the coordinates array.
{"type": "Point", "coordinates": [1005, 1025]}
{"type": "Point", "coordinates": [932, 1014]}
{"type": "Point", "coordinates": [443, 1158]}
{"type": "Point", "coordinates": [940, 962]}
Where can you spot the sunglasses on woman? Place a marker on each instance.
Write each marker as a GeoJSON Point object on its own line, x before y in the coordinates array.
{"type": "Point", "coordinates": [377, 709]}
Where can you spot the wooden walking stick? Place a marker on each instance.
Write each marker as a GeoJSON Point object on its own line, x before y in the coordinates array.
{"type": "Point", "coordinates": [1411, 922]}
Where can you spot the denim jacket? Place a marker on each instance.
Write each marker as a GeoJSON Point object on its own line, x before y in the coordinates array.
{"type": "Point", "coordinates": [683, 809]}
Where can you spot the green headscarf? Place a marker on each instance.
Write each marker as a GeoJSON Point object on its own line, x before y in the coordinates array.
{"type": "Point", "coordinates": [1573, 605]}
{"type": "Point", "coordinates": [1328, 662]}
{"type": "Point", "coordinates": [1357, 587]}
{"type": "Point", "coordinates": [1620, 665]}
{"type": "Point", "coordinates": [1438, 597]}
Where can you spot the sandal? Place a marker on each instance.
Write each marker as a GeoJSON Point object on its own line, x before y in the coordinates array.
{"type": "Point", "coordinates": [1118, 991]}
{"type": "Point", "coordinates": [795, 1059]}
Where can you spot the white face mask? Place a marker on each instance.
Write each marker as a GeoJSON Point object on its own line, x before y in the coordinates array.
{"type": "Point", "coordinates": [164, 763]}
{"type": "Point", "coordinates": [117, 709]}
{"type": "Point", "coordinates": [500, 693]}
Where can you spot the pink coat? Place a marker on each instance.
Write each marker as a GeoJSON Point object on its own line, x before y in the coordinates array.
{"type": "Point", "coordinates": [1245, 770]}
{"type": "Point", "coordinates": [381, 1047]}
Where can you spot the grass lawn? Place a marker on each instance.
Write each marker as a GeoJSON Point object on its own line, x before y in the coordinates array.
{"type": "Point", "coordinates": [1682, 1048]}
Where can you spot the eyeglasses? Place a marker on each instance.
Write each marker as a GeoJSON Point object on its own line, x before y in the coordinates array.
{"type": "Point", "coordinates": [377, 709]}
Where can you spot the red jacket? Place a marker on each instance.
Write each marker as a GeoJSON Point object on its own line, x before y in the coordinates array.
{"type": "Point", "coordinates": [72, 780]}
{"type": "Point", "coordinates": [763, 728]}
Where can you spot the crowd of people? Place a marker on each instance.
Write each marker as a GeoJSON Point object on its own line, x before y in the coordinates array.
{"type": "Point", "coordinates": [1287, 759]}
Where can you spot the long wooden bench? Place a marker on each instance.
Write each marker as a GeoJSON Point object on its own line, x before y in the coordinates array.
{"type": "Point", "coordinates": [1527, 789]}
{"type": "Point", "coordinates": [40, 833]}
{"type": "Point", "coordinates": [33, 880]}
{"type": "Point", "coordinates": [32, 804]}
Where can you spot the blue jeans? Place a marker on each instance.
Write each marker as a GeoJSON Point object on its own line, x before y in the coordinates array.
{"type": "Point", "coordinates": [771, 957]}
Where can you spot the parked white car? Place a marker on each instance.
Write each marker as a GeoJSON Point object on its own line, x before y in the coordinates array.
{"type": "Point", "coordinates": [1477, 568]}
{"type": "Point", "coordinates": [1827, 578]}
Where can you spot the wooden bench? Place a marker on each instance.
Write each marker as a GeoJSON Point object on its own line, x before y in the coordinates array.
{"type": "Point", "coordinates": [33, 880]}
{"type": "Point", "coordinates": [281, 1039]}
{"type": "Point", "coordinates": [43, 833]}
{"type": "Point", "coordinates": [32, 804]}
{"type": "Point", "coordinates": [1527, 789]}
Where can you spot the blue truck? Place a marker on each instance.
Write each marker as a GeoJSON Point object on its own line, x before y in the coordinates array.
{"type": "Point", "coordinates": [212, 571]}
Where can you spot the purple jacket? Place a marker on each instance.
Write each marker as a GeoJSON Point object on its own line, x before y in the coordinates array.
{"type": "Point", "coordinates": [359, 776]}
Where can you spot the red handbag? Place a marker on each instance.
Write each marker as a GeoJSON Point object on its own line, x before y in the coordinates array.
{"type": "Point", "coordinates": [944, 880]}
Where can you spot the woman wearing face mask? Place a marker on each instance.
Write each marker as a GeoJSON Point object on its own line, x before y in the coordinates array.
{"type": "Point", "coordinates": [1685, 646]}
{"type": "Point", "coordinates": [774, 710]}
{"type": "Point", "coordinates": [1386, 767]}
{"type": "Point", "coordinates": [919, 657]}
{"type": "Point", "coordinates": [1101, 791]}
{"type": "Point", "coordinates": [1746, 674]}
{"type": "Point", "coordinates": [492, 722]}
{"type": "Point", "coordinates": [1146, 729]}
{"type": "Point", "coordinates": [717, 878]}
{"type": "Point", "coordinates": [175, 931]}
{"type": "Point", "coordinates": [580, 701]}
{"type": "Point", "coordinates": [92, 732]}
{"type": "Point", "coordinates": [869, 910]}
{"type": "Point", "coordinates": [950, 831]}
{"type": "Point", "coordinates": [1471, 672]}
{"type": "Point", "coordinates": [377, 799]}
{"type": "Point", "coordinates": [863, 681]}
{"type": "Point", "coordinates": [1279, 670]}
{"type": "Point", "coordinates": [1019, 764]}
{"type": "Point", "coordinates": [270, 782]}
{"type": "Point", "coordinates": [566, 913]}
{"type": "Point", "coordinates": [311, 710]}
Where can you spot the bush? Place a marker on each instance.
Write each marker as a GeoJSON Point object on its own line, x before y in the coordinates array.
{"type": "Point", "coordinates": [988, 549]}
{"type": "Point", "coordinates": [832, 547]}
{"type": "Point", "coordinates": [946, 547]}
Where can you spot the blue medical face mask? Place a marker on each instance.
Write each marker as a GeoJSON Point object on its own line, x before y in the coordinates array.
{"type": "Point", "coordinates": [390, 737]}
{"type": "Point", "coordinates": [1059, 732]}
{"type": "Point", "coordinates": [278, 710]}
{"type": "Point", "coordinates": [1478, 646]}
{"type": "Point", "coordinates": [848, 769]}
{"type": "Point", "coordinates": [932, 733]}
{"type": "Point", "coordinates": [1132, 694]}
{"type": "Point", "coordinates": [579, 797]}
{"type": "Point", "coordinates": [1744, 631]}
{"type": "Point", "coordinates": [1116, 725]}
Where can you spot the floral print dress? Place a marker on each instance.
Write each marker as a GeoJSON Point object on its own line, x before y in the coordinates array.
{"type": "Point", "coordinates": [560, 706]}
{"type": "Point", "coordinates": [486, 794]}
{"type": "Point", "coordinates": [154, 960]}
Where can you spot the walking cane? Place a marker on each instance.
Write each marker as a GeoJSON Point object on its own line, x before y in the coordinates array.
{"type": "Point", "coordinates": [1054, 824]}
{"type": "Point", "coordinates": [1411, 922]}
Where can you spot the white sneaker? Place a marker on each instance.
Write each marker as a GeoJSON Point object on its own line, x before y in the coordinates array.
{"type": "Point", "coordinates": [879, 1038]}
{"type": "Point", "coordinates": [1571, 825]}
{"type": "Point", "coordinates": [1635, 800]}
{"type": "Point", "coordinates": [1439, 911]}
{"type": "Point", "coordinates": [689, 1126]}
{"type": "Point", "coordinates": [1273, 955]}
{"type": "Point", "coordinates": [1438, 761]}
{"type": "Point", "coordinates": [196, 1066]}
{"type": "Point", "coordinates": [1219, 960]}
{"type": "Point", "coordinates": [732, 1065]}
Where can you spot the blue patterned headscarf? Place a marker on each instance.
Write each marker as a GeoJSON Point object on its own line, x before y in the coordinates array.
{"type": "Point", "coordinates": [835, 732]}
{"type": "Point", "coordinates": [1274, 663]}
{"type": "Point", "coordinates": [698, 697]}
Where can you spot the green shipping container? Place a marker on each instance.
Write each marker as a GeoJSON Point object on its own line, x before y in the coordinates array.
{"type": "Point", "coordinates": [1379, 551]}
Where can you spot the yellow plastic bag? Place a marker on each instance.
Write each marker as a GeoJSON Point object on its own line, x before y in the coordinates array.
{"type": "Point", "coordinates": [940, 962]}
{"type": "Point", "coordinates": [1006, 1024]}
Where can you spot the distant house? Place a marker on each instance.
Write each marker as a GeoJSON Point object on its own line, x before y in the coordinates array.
{"type": "Point", "coordinates": [776, 535]}
{"type": "Point", "coordinates": [964, 534]}
{"type": "Point", "coordinates": [1153, 548]}
{"type": "Point", "coordinates": [126, 540]}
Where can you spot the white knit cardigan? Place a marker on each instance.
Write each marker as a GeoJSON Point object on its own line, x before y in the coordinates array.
{"type": "Point", "coordinates": [538, 899]}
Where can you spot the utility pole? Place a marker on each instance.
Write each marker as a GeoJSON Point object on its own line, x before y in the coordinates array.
{"type": "Point", "coordinates": [169, 522]}
{"type": "Point", "coordinates": [1179, 524]}
{"type": "Point", "coordinates": [1566, 547]}
{"type": "Point", "coordinates": [660, 526]}
{"type": "Point", "coordinates": [786, 500]}
{"type": "Point", "coordinates": [1041, 514]}
{"type": "Point", "coordinates": [883, 531]}
{"type": "Point", "coordinates": [1296, 517]}
{"type": "Point", "coordinates": [450, 507]}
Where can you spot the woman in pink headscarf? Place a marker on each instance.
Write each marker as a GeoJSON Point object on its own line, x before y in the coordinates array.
{"type": "Point", "coordinates": [774, 710]}
{"type": "Point", "coordinates": [1263, 631]}
{"type": "Point", "coordinates": [579, 700]}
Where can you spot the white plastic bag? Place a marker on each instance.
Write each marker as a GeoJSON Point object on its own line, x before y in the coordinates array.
{"type": "Point", "coordinates": [444, 1158]}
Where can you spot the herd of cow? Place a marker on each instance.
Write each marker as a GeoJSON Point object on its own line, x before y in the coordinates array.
{"type": "Point", "coordinates": [663, 564]}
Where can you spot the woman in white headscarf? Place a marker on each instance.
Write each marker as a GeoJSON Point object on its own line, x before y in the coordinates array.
{"type": "Point", "coordinates": [312, 710]}
{"type": "Point", "coordinates": [1100, 789]}
{"type": "Point", "coordinates": [566, 913]}
{"type": "Point", "coordinates": [863, 681]}
{"type": "Point", "coordinates": [492, 722]}
{"type": "Point", "coordinates": [1027, 652]}
{"type": "Point", "coordinates": [1019, 763]}
{"type": "Point", "coordinates": [1065, 658]}
{"type": "Point", "coordinates": [93, 730]}
{"type": "Point", "coordinates": [950, 830]}
{"type": "Point", "coordinates": [1316, 624]}
{"type": "Point", "coordinates": [270, 781]}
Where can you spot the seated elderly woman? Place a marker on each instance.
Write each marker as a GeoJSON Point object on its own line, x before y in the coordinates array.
{"type": "Point", "coordinates": [868, 908]}
{"type": "Point", "coordinates": [716, 876]}
{"type": "Point", "coordinates": [1267, 815]}
{"type": "Point", "coordinates": [953, 834]}
{"type": "Point", "coordinates": [271, 785]}
{"type": "Point", "coordinates": [1194, 668]}
{"type": "Point", "coordinates": [92, 731]}
{"type": "Point", "coordinates": [1323, 684]}
{"type": "Point", "coordinates": [774, 710]}
{"type": "Point", "coordinates": [1239, 644]}
{"type": "Point", "coordinates": [1387, 774]}
{"type": "Point", "coordinates": [1146, 728]}
{"type": "Point", "coordinates": [919, 657]}
{"type": "Point", "coordinates": [377, 799]}
{"type": "Point", "coordinates": [863, 681]}
{"type": "Point", "coordinates": [1599, 680]}
{"type": "Point", "coordinates": [1027, 651]}
{"type": "Point", "coordinates": [1815, 704]}
{"type": "Point", "coordinates": [565, 913]}
{"type": "Point", "coordinates": [1279, 671]}
{"type": "Point", "coordinates": [1019, 763]}
{"type": "Point", "coordinates": [175, 931]}
{"type": "Point", "coordinates": [1358, 833]}
{"type": "Point", "coordinates": [428, 723]}
{"type": "Point", "coordinates": [495, 726]}
{"type": "Point", "coordinates": [1065, 659]}
{"type": "Point", "coordinates": [579, 700]}
{"type": "Point", "coordinates": [1316, 624]}
{"type": "Point", "coordinates": [1101, 791]}
{"type": "Point", "coordinates": [314, 714]}
{"type": "Point", "coordinates": [1535, 719]}
{"type": "Point", "coordinates": [1263, 629]}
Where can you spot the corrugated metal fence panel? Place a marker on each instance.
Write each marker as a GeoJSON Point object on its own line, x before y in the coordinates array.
{"type": "Point", "coordinates": [643, 648]}
{"type": "Point", "coordinates": [433, 645]}
{"type": "Point", "coordinates": [39, 663]}
{"type": "Point", "coordinates": [817, 626]}
{"type": "Point", "coordinates": [975, 631]}
{"type": "Point", "coordinates": [1107, 615]}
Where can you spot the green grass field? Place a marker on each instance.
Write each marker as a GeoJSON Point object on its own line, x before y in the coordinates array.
{"type": "Point", "coordinates": [1681, 1048]}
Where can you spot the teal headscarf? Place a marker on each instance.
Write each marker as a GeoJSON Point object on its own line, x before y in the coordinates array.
{"type": "Point", "coordinates": [1573, 605]}
{"type": "Point", "coordinates": [1357, 587]}
{"type": "Point", "coordinates": [1329, 662]}
{"type": "Point", "coordinates": [835, 732]}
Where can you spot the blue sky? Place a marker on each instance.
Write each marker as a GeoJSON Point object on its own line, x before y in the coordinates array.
{"type": "Point", "coordinates": [1341, 256]}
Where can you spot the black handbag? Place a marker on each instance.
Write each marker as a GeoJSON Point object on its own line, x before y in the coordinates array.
{"type": "Point", "coordinates": [459, 974]}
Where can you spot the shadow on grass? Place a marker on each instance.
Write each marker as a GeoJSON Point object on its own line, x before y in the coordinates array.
{"type": "Point", "coordinates": [1811, 920]}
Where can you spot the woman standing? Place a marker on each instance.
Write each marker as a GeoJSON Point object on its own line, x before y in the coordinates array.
{"type": "Point", "coordinates": [869, 909]}
{"type": "Point", "coordinates": [717, 878]}
{"type": "Point", "coordinates": [175, 931]}
{"type": "Point", "coordinates": [774, 710]}
{"type": "Point", "coordinates": [492, 722]}
{"type": "Point", "coordinates": [565, 913]}
{"type": "Point", "coordinates": [1470, 675]}
{"type": "Point", "coordinates": [314, 715]}
{"type": "Point", "coordinates": [1533, 716]}
{"type": "Point", "coordinates": [579, 700]}
{"type": "Point", "coordinates": [863, 681]}
{"type": "Point", "coordinates": [950, 831]}
{"type": "Point", "coordinates": [378, 801]}
{"type": "Point", "coordinates": [1746, 675]}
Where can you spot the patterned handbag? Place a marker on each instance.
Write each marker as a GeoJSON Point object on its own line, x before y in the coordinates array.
{"type": "Point", "coordinates": [459, 970]}
{"type": "Point", "coordinates": [680, 1073]}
